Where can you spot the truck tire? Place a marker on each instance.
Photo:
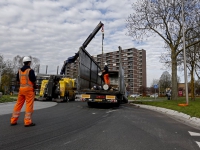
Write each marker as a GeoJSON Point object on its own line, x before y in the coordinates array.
{"type": "Point", "coordinates": [74, 97]}
{"type": "Point", "coordinates": [66, 97]}
{"type": "Point", "coordinates": [117, 104]}
{"type": "Point", "coordinates": [90, 104]}
{"type": "Point", "coordinates": [125, 99]}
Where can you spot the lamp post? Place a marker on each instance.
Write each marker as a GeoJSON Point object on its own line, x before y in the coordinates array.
{"type": "Point", "coordinates": [185, 68]}
{"type": "Point", "coordinates": [1, 68]}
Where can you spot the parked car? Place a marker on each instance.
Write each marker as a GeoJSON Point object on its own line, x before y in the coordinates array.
{"type": "Point", "coordinates": [154, 95]}
{"type": "Point", "coordinates": [135, 95]}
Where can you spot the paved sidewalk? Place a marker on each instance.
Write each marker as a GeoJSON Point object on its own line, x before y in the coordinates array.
{"type": "Point", "coordinates": [7, 108]}
{"type": "Point", "coordinates": [186, 119]}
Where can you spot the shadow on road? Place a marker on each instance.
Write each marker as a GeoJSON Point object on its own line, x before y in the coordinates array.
{"type": "Point", "coordinates": [104, 106]}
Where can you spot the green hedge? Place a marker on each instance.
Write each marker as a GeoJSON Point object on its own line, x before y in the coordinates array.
{"type": "Point", "coordinates": [7, 98]}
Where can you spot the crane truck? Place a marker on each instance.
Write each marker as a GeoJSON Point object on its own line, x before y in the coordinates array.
{"type": "Point", "coordinates": [90, 84]}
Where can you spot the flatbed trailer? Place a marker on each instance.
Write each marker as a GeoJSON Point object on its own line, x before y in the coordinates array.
{"type": "Point", "coordinates": [88, 78]}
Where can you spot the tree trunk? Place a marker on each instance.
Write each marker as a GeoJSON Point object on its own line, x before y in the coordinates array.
{"type": "Point", "coordinates": [192, 84]}
{"type": "Point", "coordinates": [174, 75]}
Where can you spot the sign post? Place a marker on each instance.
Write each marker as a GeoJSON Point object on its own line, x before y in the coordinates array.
{"type": "Point", "coordinates": [155, 87]}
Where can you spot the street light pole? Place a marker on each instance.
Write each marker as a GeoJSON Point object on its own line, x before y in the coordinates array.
{"type": "Point", "coordinates": [185, 68]}
{"type": "Point", "coordinates": [1, 69]}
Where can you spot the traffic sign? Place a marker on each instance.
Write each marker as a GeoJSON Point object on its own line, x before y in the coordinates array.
{"type": "Point", "coordinates": [155, 86]}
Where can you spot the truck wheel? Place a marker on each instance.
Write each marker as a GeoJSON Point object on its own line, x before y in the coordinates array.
{"type": "Point", "coordinates": [74, 97]}
{"type": "Point", "coordinates": [90, 104]}
{"type": "Point", "coordinates": [66, 98]}
{"type": "Point", "coordinates": [116, 104]}
{"type": "Point", "coordinates": [125, 99]}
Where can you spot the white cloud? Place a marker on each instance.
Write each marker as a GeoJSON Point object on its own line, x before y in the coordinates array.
{"type": "Point", "coordinates": [54, 30]}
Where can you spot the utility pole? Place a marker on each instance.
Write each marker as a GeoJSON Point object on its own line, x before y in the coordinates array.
{"type": "Point", "coordinates": [185, 68]}
{"type": "Point", "coordinates": [46, 68]}
{"type": "Point", "coordinates": [1, 68]}
{"type": "Point", "coordinates": [57, 69]}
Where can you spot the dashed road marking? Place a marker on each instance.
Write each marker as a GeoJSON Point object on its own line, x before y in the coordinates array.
{"type": "Point", "coordinates": [110, 111]}
{"type": "Point", "coordinates": [194, 133]}
{"type": "Point", "coordinates": [198, 143]}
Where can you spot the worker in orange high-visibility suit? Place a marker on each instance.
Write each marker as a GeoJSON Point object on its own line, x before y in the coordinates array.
{"type": "Point", "coordinates": [106, 75]}
{"type": "Point", "coordinates": [27, 79]}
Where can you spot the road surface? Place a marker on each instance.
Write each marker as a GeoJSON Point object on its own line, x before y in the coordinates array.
{"type": "Point", "coordinates": [74, 126]}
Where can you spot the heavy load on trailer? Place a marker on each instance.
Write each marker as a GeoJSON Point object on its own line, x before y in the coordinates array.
{"type": "Point", "coordinates": [91, 84]}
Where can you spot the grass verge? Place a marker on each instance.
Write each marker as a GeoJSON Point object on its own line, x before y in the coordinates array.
{"type": "Point", "coordinates": [7, 98]}
{"type": "Point", "coordinates": [192, 109]}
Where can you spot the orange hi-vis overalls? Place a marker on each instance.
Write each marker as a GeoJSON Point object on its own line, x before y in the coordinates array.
{"type": "Point", "coordinates": [106, 79]}
{"type": "Point", "coordinates": [26, 93]}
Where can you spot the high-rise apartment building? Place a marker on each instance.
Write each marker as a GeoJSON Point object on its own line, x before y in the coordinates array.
{"type": "Point", "coordinates": [133, 62]}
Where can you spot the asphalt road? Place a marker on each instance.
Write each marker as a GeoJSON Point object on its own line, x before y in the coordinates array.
{"type": "Point", "coordinates": [74, 126]}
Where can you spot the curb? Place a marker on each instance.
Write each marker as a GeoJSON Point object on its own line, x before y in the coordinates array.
{"type": "Point", "coordinates": [4, 103]}
{"type": "Point", "coordinates": [184, 118]}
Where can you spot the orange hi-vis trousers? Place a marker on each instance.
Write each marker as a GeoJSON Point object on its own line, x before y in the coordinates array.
{"type": "Point", "coordinates": [25, 95]}
{"type": "Point", "coordinates": [106, 79]}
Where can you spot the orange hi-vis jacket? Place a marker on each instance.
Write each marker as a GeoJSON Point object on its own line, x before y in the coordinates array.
{"type": "Point", "coordinates": [24, 79]}
{"type": "Point", "coordinates": [26, 93]}
{"type": "Point", "coordinates": [106, 79]}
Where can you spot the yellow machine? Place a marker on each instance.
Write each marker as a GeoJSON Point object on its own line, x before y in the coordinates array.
{"type": "Point", "coordinates": [67, 85]}
{"type": "Point", "coordinates": [58, 89]}
{"type": "Point", "coordinates": [43, 86]}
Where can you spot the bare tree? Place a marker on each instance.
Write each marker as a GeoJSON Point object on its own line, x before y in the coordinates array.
{"type": "Point", "coordinates": [193, 59]}
{"type": "Point", "coordinates": [197, 87]}
{"type": "Point", "coordinates": [18, 63]}
{"type": "Point", "coordinates": [142, 90]}
{"type": "Point", "coordinates": [163, 18]}
{"type": "Point", "coordinates": [6, 74]}
{"type": "Point", "coordinates": [154, 82]}
{"type": "Point", "coordinates": [165, 81]}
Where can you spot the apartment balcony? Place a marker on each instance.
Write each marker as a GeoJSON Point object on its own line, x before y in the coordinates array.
{"type": "Point", "coordinates": [129, 55]}
{"type": "Point", "coordinates": [109, 58]}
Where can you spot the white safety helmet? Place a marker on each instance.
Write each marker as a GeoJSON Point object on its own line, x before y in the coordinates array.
{"type": "Point", "coordinates": [26, 58]}
{"type": "Point", "coordinates": [100, 73]}
{"type": "Point", "coordinates": [106, 64]}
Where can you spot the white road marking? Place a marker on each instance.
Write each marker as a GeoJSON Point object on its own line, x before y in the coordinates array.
{"type": "Point", "coordinates": [93, 113]}
{"type": "Point", "coordinates": [67, 142]}
{"type": "Point", "coordinates": [73, 140]}
{"type": "Point", "coordinates": [110, 111]}
{"type": "Point", "coordinates": [194, 133]}
{"type": "Point", "coordinates": [198, 143]}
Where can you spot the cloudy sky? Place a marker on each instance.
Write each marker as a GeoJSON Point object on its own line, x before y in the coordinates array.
{"type": "Point", "coordinates": [53, 30]}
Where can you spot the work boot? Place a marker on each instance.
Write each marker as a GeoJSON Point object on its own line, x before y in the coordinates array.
{"type": "Point", "coordinates": [30, 125]}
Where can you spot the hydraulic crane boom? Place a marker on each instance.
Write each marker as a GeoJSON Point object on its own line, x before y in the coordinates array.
{"type": "Point", "coordinates": [91, 36]}
{"type": "Point", "coordinates": [85, 44]}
